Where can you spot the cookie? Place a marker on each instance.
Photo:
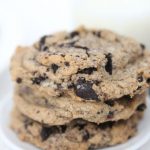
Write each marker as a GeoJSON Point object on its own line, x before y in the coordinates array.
{"type": "Point", "coordinates": [58, 111]}
{"type": "Point", "coordinates": [95, 65]}
{"type": "Point", "coordinates": [78, 134]}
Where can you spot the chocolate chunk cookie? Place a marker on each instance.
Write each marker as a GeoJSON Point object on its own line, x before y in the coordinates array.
{"type": "Point", "coordinates": [58, 111]}
{"type": "Point", "coordinates": [84, 89]}
{"type": "Point", "coordinates": [78, 134]}
{"type": "Point", "coordinates": [91, 65]}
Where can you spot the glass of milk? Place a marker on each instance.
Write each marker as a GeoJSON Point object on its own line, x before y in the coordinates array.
{"type": "Point", "coordinates": [127, 17]}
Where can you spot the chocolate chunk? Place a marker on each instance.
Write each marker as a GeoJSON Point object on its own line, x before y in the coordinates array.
{"type": "Point", "coordinates": [141, 107]}
{"type": "Point", "coordinates": [140, 79]}
{"type": "Point", "coordinates": [47, 131]}
{"type": "Point", "coordinates": [45, 48]}
{"type": "Point", "coordinates": [85, 135]}
{"type": "Point", "coordinates": [148, 81]}
{"type": "Point", "coordinates": [110, 115]}
{"type": "Point", "coordinates": [98, 112]}
{"type": "Point", "coordinates": [142, 46]}
{"type": "Point", "coordinates": [70, 86]}
{"type": "Point", "coordinates": [18, 80]}
{"type": "Point", "coordinates": [139, 87]}
{"type": "Point", "coordinates": [67, 63]}
{"type": "Point", "coordinates": [48, 69]}
{"type": "Point", "coordinates": [39, 79]}
{"type": "Point", "coordinates": [63, 128]}
{"type": "Point", "coordinates": [108, 66]}
{"type": "Point", "coordinates": [129, 137]}
{"type": "Point", "coordinates": [73, 34]}
{"type": "Point", "coordinates": [54, 67]}
{"type": "Point", "coordinates": [89, 70]}
{"type": "Point", "coordinates": [97, 33]}
{"type": "Point", "coordinates": [60, 94]}
{"type": "Point", "coordinates": [42, 42]}
{"type": "Point", "coordinates": [110, 103]}
{"type": "Point", "coordinates": [105, 125]}
{"type": "Point", "coordinates": [84, 90]}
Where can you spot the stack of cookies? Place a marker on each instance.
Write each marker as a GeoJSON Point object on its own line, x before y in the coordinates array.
{"type": "Point", "coordinates": [80, 90]}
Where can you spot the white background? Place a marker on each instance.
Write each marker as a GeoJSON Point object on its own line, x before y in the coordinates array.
{"type": "Point", "coordinates": [24, 21]}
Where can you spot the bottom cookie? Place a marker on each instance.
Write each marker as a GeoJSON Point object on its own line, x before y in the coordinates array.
{"type": "Point", "coordinates": [78, 134]}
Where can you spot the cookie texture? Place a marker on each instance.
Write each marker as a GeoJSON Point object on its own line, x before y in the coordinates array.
{"type": "Point", "coordinates": [91, 65]}
{"type": "Point", "coordinates": [58, 111]}
{"type": "Point", "coordinates": [79, 90]}
{"type": "Point", "coordinates": [78, 134]}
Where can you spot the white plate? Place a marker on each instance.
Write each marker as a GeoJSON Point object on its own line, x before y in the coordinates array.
{"type": "Point", "coordinates": [8, 137]}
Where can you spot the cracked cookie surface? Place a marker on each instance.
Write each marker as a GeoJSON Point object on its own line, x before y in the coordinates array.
{"type": "Point", "coordinates": [85, 65]}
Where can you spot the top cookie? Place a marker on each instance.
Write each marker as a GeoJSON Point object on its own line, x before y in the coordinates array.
{"type": "Point", "coordinates": [85, 64]}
